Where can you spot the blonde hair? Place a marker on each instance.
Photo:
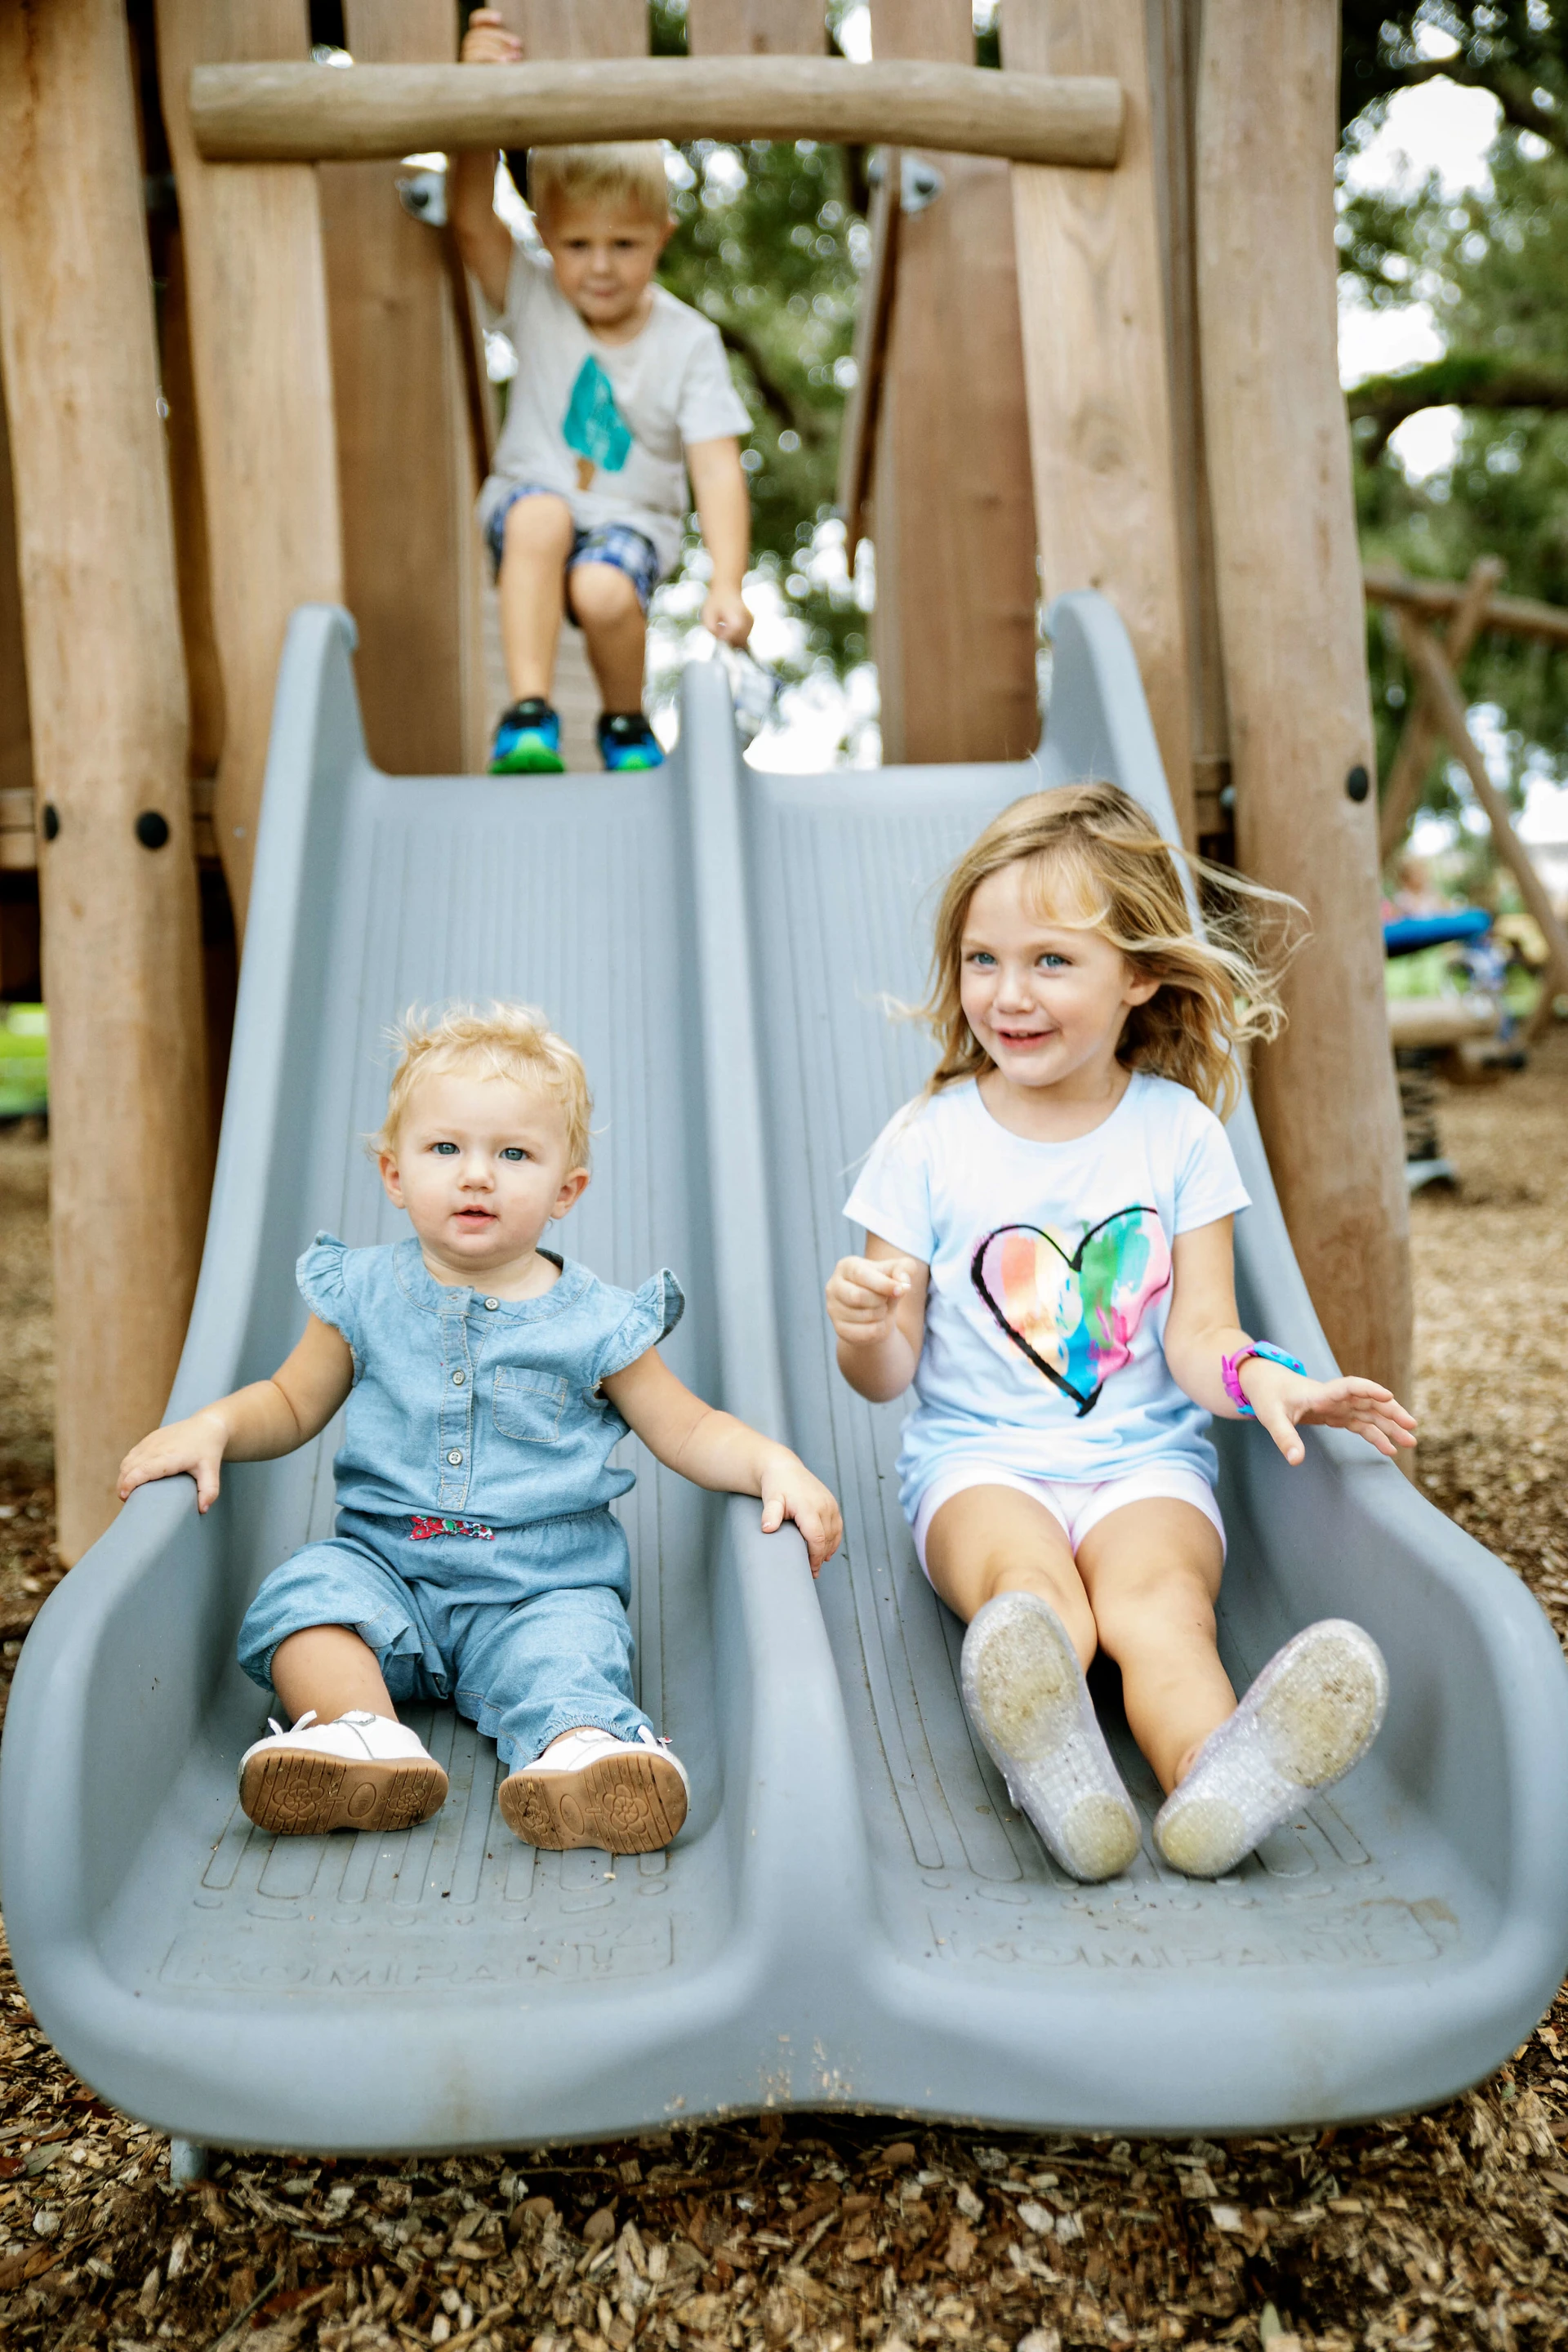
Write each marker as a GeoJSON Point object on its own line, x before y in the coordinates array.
{"type": "Point", "coordinates": [632, 171]}
{"type": "Point", "coordinates": [1215, 991]}
{"type": "Point", "coordinates": [502, 1041]}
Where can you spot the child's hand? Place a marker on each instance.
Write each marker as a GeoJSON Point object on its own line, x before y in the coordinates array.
{"type": "Point", "coordinates": [487, 42]}
{"type": "Point", "coordinates": [726, 612]}
{"type": "Point", "coordinates": [1283, 1401]}
{"type": "Point", "coordinates": [863, 1294]}
{"type": "Point", "coordinates": [790, 1492]}
{"type": "Point", "coordinates": [194, 1446]}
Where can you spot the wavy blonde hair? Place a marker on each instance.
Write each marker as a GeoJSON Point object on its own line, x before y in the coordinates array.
{"type": "Point", "coordinates": [1091, 847]}
{"type": "Point", "coordinates": [496, 1041]}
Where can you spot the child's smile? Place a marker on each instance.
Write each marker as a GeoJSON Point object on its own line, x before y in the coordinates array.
{"type": "Point", "coordinates": [1044, 996]}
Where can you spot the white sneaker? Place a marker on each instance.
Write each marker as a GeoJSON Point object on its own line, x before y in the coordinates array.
{"type": "Point", "coordinates": [1026, 1697]}
{"type": "Point", "coordinates": [363, 1772]}
{"type": "Point", "coordinates": [625, 1796]}
{"type": "Point", "coordinates": [1313, 1713]}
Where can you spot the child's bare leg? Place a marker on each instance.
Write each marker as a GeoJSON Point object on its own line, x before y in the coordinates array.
{"type": "Point", "coordinates": [1001, 1560]}
{"type": "Point", "coordinates": [328, 1669]}
{"type": "Point", "coordinates": [992, 1539]}
{"type": "Point", "coordinates": [613, 629]}
{"type": "Point", "coordinates": [532, 588]}
{"type": "Point", "coordinates": [1152, 1573]}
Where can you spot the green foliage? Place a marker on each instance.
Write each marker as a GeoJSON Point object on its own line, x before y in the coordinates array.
{"type": "Point", "coordinates": [1493, 264]}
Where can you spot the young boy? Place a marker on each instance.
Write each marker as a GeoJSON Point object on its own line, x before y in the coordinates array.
{"type": "Point", "coordinates": [620, 391]}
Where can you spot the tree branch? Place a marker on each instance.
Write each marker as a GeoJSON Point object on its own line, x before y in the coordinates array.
{"type": "Point", "coordinates": [1458, 380]}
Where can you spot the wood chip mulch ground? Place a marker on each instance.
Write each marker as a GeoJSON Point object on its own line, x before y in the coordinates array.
{"type": "Point", "coordinates": [825, 2233]}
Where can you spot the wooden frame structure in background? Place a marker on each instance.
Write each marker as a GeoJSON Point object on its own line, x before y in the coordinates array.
{"type": "Point", "coordinates": [1166, 396]}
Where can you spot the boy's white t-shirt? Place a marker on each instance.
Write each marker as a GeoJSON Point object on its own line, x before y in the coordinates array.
{"type": "Point", "coordinates": [1050, 1281]}
{"type": "Point", "coordinates": [607, 425]}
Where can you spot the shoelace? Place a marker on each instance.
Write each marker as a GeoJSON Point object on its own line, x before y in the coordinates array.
{"type": "Point", "coordinates": [306, 1721]}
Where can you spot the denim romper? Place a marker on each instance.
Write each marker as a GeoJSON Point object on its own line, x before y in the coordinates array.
{"type": "Point", "coordinates": [475, 1551]}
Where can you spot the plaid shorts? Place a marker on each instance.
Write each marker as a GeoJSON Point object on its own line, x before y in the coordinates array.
{"type": "Point", "coordinates": [609, 542]}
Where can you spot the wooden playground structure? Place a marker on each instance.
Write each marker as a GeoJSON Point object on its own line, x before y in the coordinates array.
{"type": "Point", "coordinates": [1105, 348]}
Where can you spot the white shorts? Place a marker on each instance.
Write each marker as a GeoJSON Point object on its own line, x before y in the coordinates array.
{"type": "Point", "coordinates": [1076, 1504]}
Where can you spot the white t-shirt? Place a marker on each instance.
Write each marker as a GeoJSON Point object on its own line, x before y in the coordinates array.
{"type": "Point", "coordinates": [1050, 1281]}
{"type": "Point", "coordinates": [607, 425]}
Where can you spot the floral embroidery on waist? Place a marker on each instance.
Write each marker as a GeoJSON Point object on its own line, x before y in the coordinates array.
{"type": "Point", "coordinates": [421, 1530]}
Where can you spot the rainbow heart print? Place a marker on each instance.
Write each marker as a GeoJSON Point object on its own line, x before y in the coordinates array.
{"type": "Point", "coordinates": [1074, 1312]}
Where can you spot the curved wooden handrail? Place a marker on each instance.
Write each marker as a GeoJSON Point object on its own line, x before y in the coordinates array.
{"type": "Point", "coordinates": [309, 113]}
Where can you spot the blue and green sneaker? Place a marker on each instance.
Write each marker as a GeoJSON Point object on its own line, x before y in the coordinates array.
{"type": "Point", "coordinates": [528, 741]}
{"type": "Point", "coordinates": [626, 740]}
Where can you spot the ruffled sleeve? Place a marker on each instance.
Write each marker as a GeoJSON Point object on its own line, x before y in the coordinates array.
{"type": "Point", "coordinates": [321, 1275]}
{"type": "Point", "coordinates": [656, 1309]}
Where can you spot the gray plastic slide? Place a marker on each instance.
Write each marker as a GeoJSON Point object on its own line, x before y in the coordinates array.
{"type": "Point", "coordinates": [853, 1916]}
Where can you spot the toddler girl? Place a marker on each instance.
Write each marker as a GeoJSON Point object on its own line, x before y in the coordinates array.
{"type": "Point", "coordinates": [475, 1558]}
{"type": "Point", "coordinates": [1049, 1262]}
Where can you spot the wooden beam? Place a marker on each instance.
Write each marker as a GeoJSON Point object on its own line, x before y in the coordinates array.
{"type": "Point", "coordinates": [1428, 660]}
{"type": "Point", "coordinates": [262, 357]}
{"type": "Point", "coordinates": [862, 410]}
{"type": "Point", "coordinates": [107, 693]}
{"type": "Point", "coordinates": [408, 472]}
{"type": "Point", "coordinates": [1294, 653]}
{"type": "Point", "coordinates": [957, 592]}
{"type": "Point", "coordinates": [1435, 599]}
{"type": "Point", "coordinates": [1420, 735]}
{"type": "Point", "coordinates": [1174, 28]}
{"type": "Point", "coordinates": [16, 737]}
{"type": "Point", "coordinates": [1095, 364]}
{"type": "Point", "coordinates": [302, 113]}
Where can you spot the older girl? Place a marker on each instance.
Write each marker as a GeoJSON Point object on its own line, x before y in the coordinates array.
{"type": "Point", "coordinates": [1049, 1263]}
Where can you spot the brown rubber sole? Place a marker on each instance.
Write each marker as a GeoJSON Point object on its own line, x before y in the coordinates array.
{"type": "Point", "coordinates": [296, 1795]}
{"type": "Point", "coordinates": [623, 1804]}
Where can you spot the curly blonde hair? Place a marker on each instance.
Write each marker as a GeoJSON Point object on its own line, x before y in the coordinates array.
{"type": "Point", "coordinates": [498, 1041]}
{"type": "Point", "coordinates": [1090, 845]}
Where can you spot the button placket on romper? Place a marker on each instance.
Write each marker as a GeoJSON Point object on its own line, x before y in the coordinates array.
{"type": "Point", "coordinates": [455, 1441]}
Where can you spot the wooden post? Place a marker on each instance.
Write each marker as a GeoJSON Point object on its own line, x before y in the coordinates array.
{"type": "Point", "coordinates": [107, 692]}
{"type": "Point", "coordinates": [756, 29]}
{"type": "Point", "coordinates": [873, 328]}
{"type": "Point", "coordinates": [1295, 652]}
{"type": "Point", "coordinates": [1095, 363]}
{"type": "Point", "coordinates": [408, 471]}
{"type": "Point", "coordinates": [954, 626]}
{"type": "Point", "coordinates": [1431, 664]}
{"type": "Point", "coordinates": [1173, 29]}
{"type": "Point", "coordinates": [252, 239]}
{"type": "Point", "coordinates": [1421, 733]}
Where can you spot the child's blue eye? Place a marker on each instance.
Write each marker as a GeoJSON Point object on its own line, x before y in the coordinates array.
{"type": "Point", "coordinates": [1051, 961]}
{"type": "Point", "coordinates": [445, 1149]}
{"type": "Point", "coordinates": [981, 956]}
{"type": "Point", "coordinates": [514, 1151]}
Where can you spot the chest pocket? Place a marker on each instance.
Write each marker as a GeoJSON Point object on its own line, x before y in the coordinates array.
{"type": "Point", "coordinates": [528, 1405]}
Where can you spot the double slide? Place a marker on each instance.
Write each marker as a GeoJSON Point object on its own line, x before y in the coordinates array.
{"type": "Point", "coordinates": [853, 1916]}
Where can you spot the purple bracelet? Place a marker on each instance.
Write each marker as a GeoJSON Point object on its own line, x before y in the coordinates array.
{"type": "Point", "coordinates": [1230, 1370]}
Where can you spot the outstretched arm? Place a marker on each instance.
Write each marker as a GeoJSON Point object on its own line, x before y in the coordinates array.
{"type": "Point", "coordinates": [1202, 1329]}
{"type": "Point", "coordinates": [715, 1450]}
{"type": "Point", "coordinates": [483, 239]}
{"type": "Point", "coordinates": [254, 1424]}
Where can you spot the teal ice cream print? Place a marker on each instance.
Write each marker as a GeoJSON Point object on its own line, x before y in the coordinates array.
{"type": "Point", "coordinates": [595, 426]}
